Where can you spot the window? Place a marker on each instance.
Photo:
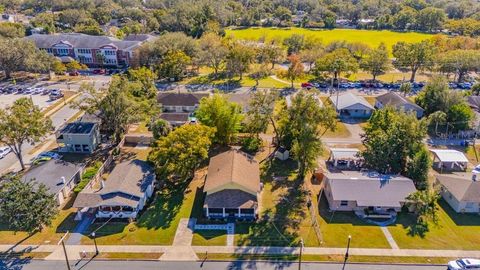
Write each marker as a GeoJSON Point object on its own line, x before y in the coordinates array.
{"type": "Point", "coordinates": [78, 148]}
{"type": "Point", "coordinates": [62, 51]}
{"type": "Point", "coordinates": [344, 203]}
{"type": "Point", "coordinates": [85, 148]}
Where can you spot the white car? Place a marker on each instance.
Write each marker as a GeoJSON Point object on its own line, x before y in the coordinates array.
{"type": "Point", "coordinates": [4, 151]}
{"type": "Point", "coordinates": [462, 264]}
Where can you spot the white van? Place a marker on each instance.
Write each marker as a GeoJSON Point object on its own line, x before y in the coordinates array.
{"type": "Point", "coordinates": [462, 264]}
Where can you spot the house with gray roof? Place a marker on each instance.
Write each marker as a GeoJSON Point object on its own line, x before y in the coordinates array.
{"type": "Point", "coordinates": [399, 102]}
{"type": "Point", "coordinates": [367, 191]}
{"type": "Point", "coordinates": [94, 51]}
{"type": "Point", "coordinates": [461, 192]}
{"type": "Point", "coordinates": [178, 108]}
{"type": "Point", "coordinates": [350, 105]}
{"type": "Point", "coordinates": [60, 177]}
{"type": "Point", "coordinates": [79, 137]}
{"type": "Point", "coordinates": [122, 195]}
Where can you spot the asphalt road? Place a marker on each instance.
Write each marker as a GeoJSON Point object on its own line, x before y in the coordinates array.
{"type": "Point", "coordinates": [150, 265]}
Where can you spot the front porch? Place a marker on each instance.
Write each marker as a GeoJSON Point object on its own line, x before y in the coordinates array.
{"type": "Point", "coordinates": [117, 211]}
{"type": "Point", "coordinates": [236, 213]}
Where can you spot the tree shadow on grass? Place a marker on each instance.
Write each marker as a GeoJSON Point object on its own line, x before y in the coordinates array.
{"type": "Point", "coordinates": [410, 224]}
{"type": "Point", "coordinates": [279, 172]}
{"type": "Point", "coordinates": [459, 219]}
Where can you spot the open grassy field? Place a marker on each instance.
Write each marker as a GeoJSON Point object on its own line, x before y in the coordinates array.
{"type": "Point", "coordinates": [370, 37]}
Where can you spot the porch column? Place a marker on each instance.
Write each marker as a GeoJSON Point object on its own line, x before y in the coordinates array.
{"type": "Point", "coordinates": [335, 163]}
{"type": "Point", "coordinates": [348, 163]}
{"type": "Point", "coordinates": [239, 212]}
{"type": "Point", "coordinates": [223, 212]}
{"type": "Point", "coordinates": [207, 213]}
{"type": "Point", "coordinates": [439, 164]}
{"type": "Point", "coordinates": [453, 164]}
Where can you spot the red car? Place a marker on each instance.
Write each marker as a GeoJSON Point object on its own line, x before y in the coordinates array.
{"type": "Point", "coordinates": [307, 85]}
{"type": "Point", "coordinates": [99, 71]}
{"type": "Point", "coordinates": [74, 73]}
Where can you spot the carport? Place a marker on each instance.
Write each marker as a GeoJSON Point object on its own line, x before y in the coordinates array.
{"type": "Point", "coordinates": [448, 159]}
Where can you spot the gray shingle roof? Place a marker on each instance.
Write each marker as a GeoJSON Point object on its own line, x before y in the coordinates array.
{"type": "Point", "coordinates": [180, 99]}
{"type": "Point", "coordinates": [81, 41]}
{"type": "Point", "coordinates": [370, 189]}
{"type": "Point", "coordinates": [463, 188]}
{"type": "Point", "coordinates": [51, 172]}
{"type": "Point", "coordinates": [230, 198]}
{"type": "Point", "coordinates": [396, 100]}
{"type": "Point", "coordinates": [349, 99]}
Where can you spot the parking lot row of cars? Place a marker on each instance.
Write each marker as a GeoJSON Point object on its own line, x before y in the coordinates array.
{"type": "Point", "coordinates": [378, 85]}
{"type": "Point", "coordinates": [52, 93]}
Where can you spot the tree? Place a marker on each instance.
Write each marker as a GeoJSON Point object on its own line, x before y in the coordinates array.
{"type": "Point", "coordinates": [216, 111]}
{"type": "Point", "coordinates": [113, 106]}
{"type": "Point", "coordinates": [460, 116]}
{"type": "Point", "coordinates": [239, 59]}
{"type": "Point", "coordinates": [437, 117]}
{"type": "Point", "coordinates": [418, 168]}
{"type": "Point", "coordinates": [413, 56]}
{"type": "Point", "coordinates": [405, 88]}
{"type": "Point", "coordinates": [160, 128]}
{"type": "Point", "coordinates": [22, 123]}
{"type": "Point", "coordinates": [26, 206]}
{"type": "Point", "coordinates": [58, 67]}
{"type": "Point", "coordinates": [424, 204]}
{"type": "Point", "coordinates": [259, 72]}
{"type": "Point", "coordinates": [146, 78]}
{"type": "Point", "coordinates": [459, 62]}
{"type": "Point", "coordinates": [213, 51]}
{"type": "Point", "coordinates": [22, 55]}
{"type": "Point", "coordinates": [12, 30]}
{"type": "Point", "coordinates": [430, 19]}
{"type": "Point", "coordinates": [306, 148]}
{"type": "Point", "coordinates": [260, 111]}
{"type": "Point", "coordinates": [173, 65]}
{"type": "Point", "coordinates": [475, 89]}
{"type": "Point", "coordinates": [376, 62]}
{"type": "Point", "coordinates": [270, 53]}
{"type": "Point", "coordinates": [295, 70]}
{"type": "Point", "coordinates": [405, 18]}
{"type": "Point", "coordinates": [74, 66]}
{"type": "Point", "coordinates": [336, 62]}
{"type": "Point", "coordinates": [310, 56]}
{"type": "Point", "coordinates": [391, 139]}
{"type": "Point", "coordinates": [295, 43]}
{"type": "Point", "coordinates": [177, 155]}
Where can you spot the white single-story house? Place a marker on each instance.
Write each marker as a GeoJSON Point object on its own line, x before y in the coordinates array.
{"type": "Point", "coordinates": [462, 193]}
{"type": "Point", "coordinates": [344, 157]}
{"type": "Point", "coordinates": [351, 105]}
{"type": "Point", "coordinates": [448, 159]}
{"type": "Point", "coordinates": [360, 191]}
{"type": "Point", "coordinates": [232, 186]}
{"type": "Point", "coordinates": [399, 102]}
{"type": "Point", "coordinates": [122, 195]}
{"type": "Point", "coordinates": [60, 177]}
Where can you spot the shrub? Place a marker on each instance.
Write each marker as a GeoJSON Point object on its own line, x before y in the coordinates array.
{"type": "Point", "coordinates": [89, 173]}
{"type": "Point", "coordinates": [251, 144]}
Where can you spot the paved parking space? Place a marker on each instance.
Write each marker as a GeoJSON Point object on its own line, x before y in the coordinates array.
{"type": "Point", "coordinates": [42, 101]}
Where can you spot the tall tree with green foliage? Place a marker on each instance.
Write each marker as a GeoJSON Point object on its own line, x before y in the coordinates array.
{"type": "Point", "coordinates": [336, 63]}
{"type": "Point", "coordinates": [22, 123]}
{"type": "Point", "coordinates": [146, 78]}
{"type": "Point", "coordinates": [424, 205]}
{"type": "Point", "coordinates": [239, 59]}
{"type": "Point", "coordinates": [177, 155]}
{"type": "Point", "coordinates": [213, 51]}
{"type": "Point", "coordinates": [418, 168]}
{"type": "Point", "coordinates": [12, 30]}
{"type": "Point", "coordinates": [160, 128]}
{"type": "Point", "coordinates": [295, 70]}
{"type": "Point", "coordinates": [260, 111]}
{"type": "Point", "coordinates": [376, 61]}
{"type": "Point", "coordinates": [413, 56]}
{"type": "Point", "coordinates": [22, 55]}
{"type": "Point", "coordinates": [459, 62]}
{"type": "Point", "coordinates": [173, 65]}
{"type": "Point", "coordinates": [391, 139]}
{"type": "Point", "coordinates": [216, 111]}
{"type": "Point", "coordinates": [26, 206]}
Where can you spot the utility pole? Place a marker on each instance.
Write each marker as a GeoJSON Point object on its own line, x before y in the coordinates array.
{"type": "Point", "coordinates": [64, 249]}
{"type": "Point", "coordinates": [346, 254]}
{"type": "Point", "coordinates": [95, 242]}
{"type": "Point", "coordinates": [300, 257]}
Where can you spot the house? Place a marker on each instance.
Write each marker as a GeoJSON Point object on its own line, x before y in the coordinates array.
{"type": "Point", "coordinates": [399, 102]}
{"type": "Point", "coordinates": [474, 103]}
{"type": "Point", "coordinates": [351, 105]}
{"type": "Point", "coordinates": [344, 158]}
{"type": "Point", "coordinates": [177, 119]}
{"type": "Point", "coordinates": [462, 193]}
{"type": "Point", "coordinates": [448, 159]}
{"type": "Point", "coordinates": [179, 102]}
{"type": "Point", "coordinates": [232, 186]}
{"type": "Point", "coordinates": [94, 51]}
{"type": "Point", "coordinates": [123, 194]}
{"type": "Point", "coordinates": [60, 177]}
{"type": "Point", "coordinates": [79, 137]}
{"type": "Point", "coordinates": [242, 99]}
{"type": "Point", "coordinates": [367, 191]}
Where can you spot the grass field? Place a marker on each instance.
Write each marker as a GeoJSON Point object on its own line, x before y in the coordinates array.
{"type": "Point", "coordinates": [370, 37]}
{"type": "Point", "coordinates": [209, 238]}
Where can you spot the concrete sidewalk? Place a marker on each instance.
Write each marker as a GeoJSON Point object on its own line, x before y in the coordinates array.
{"type": "Point", "coordinates": [74, 250]}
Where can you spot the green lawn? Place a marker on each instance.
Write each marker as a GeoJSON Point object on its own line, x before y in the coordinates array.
{"type": "Point", "coordinates": [156, 226]}
{"type": "Point", "coordinates": [209, 238]}
{"type": "Point", "coordinates": [62, 223]}
{"type": "Point", "coordinates": [337, 226]}
{"type": "Point", "coordinates": [370, 37]}
{"type": "Point", "coordinates": [454, 231]}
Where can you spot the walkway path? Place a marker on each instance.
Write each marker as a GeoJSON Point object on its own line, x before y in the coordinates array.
{"type": "Point", "coordinates": [389, 237]}
{"type": "Point", "coordinates": [77, 234]}
{"type": "Point", "coordinates": [230, 234]}
{"type": "Point", "coordinates": [181, 249]}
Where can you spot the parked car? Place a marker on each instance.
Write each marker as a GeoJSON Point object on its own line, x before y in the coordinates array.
{"type": "Point", "coordinates": [45, 91]}
{"type": "Point", "coordinates": [99, 71]}
{"type": "Point", "coordinates": [462, 264]}
{"type": "Point", "coordinates": [4, 150]}
{"type": "Point", "coordinates": [74, 73]}
{"type": "Point", "coordinates": [48, 155]}
{"type": "Point", "coordinates": [307, 85]}
{"type": "Point", "coordinates": [55, 94]}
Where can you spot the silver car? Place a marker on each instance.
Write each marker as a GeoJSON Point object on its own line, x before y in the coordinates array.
{"type": "Point", "coordinates": [4, 151]}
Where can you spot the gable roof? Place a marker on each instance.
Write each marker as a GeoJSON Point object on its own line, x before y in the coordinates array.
{"type": "Point", "coordinates": [449, 155]}
{"type": "Point", "coordinates": [370, 189]}
{"type": "Point", "coordinates": [396, 100]}
{"type": "Point", "coordinates": [344, 153]}
{"type": "Point", "coordinates": [180, 99]}
{"type": "Point", "coordinates": [462, 188]}
{"type": "Point", "coordinates": [78, 40]}
{"type": "Point", "coordinates": [232, 167]}
{"type": "Point", "coordinates": [348, 99]}
{"type": "Point", "coordinates": [125, 185]}
{"type": "Point", "coordinates": [51, 172]}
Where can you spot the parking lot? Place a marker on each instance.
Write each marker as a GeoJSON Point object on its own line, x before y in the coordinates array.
{"type": "Point", "coordinates": [41, 101]}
